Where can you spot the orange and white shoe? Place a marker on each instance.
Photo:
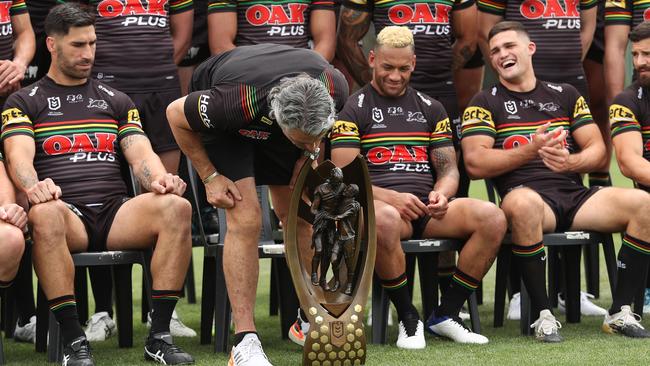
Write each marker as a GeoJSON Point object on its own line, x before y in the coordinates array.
{"type": "Point", "coordinates": [298, 330]}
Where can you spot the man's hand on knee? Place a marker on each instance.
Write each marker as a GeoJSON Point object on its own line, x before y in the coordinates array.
{"type": "Point", "coordinates": [13, 214]}
{"type": "Point", "coordinates": [222, 192]}
{"type": "Point", "coordinates": [438, 205]}
{"type": "Point", "coordinates": [43, 191]}
{"type": "Point", "coordinates": [169, 183]}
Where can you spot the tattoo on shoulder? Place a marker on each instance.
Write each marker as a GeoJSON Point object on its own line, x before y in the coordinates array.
{"type": "Point", "coordinates": [353, 17]}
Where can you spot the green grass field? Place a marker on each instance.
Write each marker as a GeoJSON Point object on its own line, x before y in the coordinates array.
{"type": "Point", "coordinates": [584, 343]}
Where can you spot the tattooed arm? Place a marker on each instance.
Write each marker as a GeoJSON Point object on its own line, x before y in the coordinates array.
{"type": "Point", "coordinates": [148, 168]}
{"type": "Point", "coordinates": [20, 151]}
{"type": "Point", "coordinates": [443, 161]}
{"type": "Point", "coordinates": [465, 27]}
{"type": "Point", "coordinates": [352, 27]}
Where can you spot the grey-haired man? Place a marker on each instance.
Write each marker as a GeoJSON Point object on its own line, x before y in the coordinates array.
{"type": "Point", "coordinates": [252, 116]}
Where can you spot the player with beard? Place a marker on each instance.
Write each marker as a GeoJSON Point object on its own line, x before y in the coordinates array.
{"type": "Point", "coordinates": [64, 153]}
{"type": "Point", "coordinates": [405, 137]}
{"type": "Point", "coordinates": [234, 23]}
{"type": "Point", "coordinates": [537, 173]}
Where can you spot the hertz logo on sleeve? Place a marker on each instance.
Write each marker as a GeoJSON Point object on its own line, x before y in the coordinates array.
{"type": "Point", "coordinates": [345, 128]}
{"type": "Point", "coordinates": [475, 115]}
{"type": "Point", "coordinates": [620, 113]}
{"type": "Point", "coordinates": [581, 108]}
{"type": "Point", "coordinates": [443, 126]}
{"type": "Point", "coordinates": [14, 115]}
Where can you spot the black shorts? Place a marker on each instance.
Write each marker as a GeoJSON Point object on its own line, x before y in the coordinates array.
{"type": "Point", "coordinates": [419, 225]}
{"type": "Point", "coordinates": [596, 54]}
{"type": "Point", "coordinates": [270, 162]}
{"type": "Point", "coordinates": [476, 61]}
{"type": "Point", "coordinates": [195, 55]}
{"type": "Point", "coordinates": [152, 107]}
{"type": "Point", "coordinates": [98, 219]}
{"type": "Point", "coordinates": [565, 199]}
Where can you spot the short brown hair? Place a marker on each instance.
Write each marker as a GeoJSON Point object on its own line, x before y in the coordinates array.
{"type": "Point", "coordinates": [507, 26]}
{"type": "Point", "coordinates": [640, 32]}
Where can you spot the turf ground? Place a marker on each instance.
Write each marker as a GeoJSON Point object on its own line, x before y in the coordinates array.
{"type": "Point", "coordinates": [584, 343]}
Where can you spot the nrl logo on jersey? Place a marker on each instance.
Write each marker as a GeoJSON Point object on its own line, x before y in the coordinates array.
{"type": "Point", "coordinates": [511, 106]}
{"type": "Point", "coordinates": [54, 103]}
{"type": "Point", "coordinates": [377, 115]}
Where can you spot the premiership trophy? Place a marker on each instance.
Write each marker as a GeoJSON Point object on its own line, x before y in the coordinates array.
{"type": "Point", "coordinates": [333, 284]}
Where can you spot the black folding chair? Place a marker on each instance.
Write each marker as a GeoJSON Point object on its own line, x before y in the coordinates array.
{"type": "Point", "coordinates": [426, 251]}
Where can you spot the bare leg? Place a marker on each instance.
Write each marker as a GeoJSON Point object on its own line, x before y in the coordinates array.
{"type": "Point", "coordinates": [11, 251]}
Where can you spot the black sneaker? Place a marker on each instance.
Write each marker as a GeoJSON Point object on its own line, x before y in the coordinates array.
{"type": "Point", "coordinates": [160, 348]}
{"type": "Point", "coordinates": [77, 353]}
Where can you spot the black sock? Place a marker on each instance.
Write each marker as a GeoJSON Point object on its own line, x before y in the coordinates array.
{"type": "Point", "coordinates": [600, 179]}
{"type": "Point", "coordinates": [398, 292]}
{"type": "Point", "coordinates": [444, 278]}
{"type": "Point", "coordinates": [632, 261]}
{"type": "Point", "coordinates": [238, 337]}
{"type": "Point", "coordinates": [65, 312]}
{"type": "Point", "coordinates": [164, 302]}
{"type": "Point", "coordinates": [532, 264]}
{"type": "Point", "coordinates": [462, 285]}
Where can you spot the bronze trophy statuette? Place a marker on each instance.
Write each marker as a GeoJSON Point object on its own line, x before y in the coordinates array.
{"type": "Point", "coordinates": [339, 205]}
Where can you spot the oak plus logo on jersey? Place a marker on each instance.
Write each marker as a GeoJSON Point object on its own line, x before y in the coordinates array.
{"type": "Point", "coordinates": [429, 19]}
{"type": "Point", "coordinates": [558, 14]}
{"type": "Point", "coordinates": [82, 146]}
{"type": "Point", "coordinates": [151, 13]}
{"type": "Point", "coordinates": [5, 19]}
{"type": "Point", "coordinates": [285, 20]}
{"type": "Point", "coordinates": [403, 158]}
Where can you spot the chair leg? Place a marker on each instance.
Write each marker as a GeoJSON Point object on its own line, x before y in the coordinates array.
{"type": "Point", "coordinates": [273, 290]}
{"type": "Point", "coordinates": [501, 284]}
{"type": "Point", "coordinates": [207, 299]}
{"type": "Point", "coordinates": [592, 269]}
{"type": "Point", "coordinates": [479, 293]}
{"type": "Point", "coordinates": [81, 293]}
{"type": "Point", "coordinates": [221, 308]}
{"type": "Point", "coordinates": [9, 312]}
{"type": "Point", "coordinates": [472, 304]}
{"type": "Point", "coordinates": [144, 306]}
{"type": "Point", "coordinates": [380, 309]}
{"type": "Point", "coordinates": [190, 286]}
{"type": "Point", "coordinates": [553, 264]}
{"type": "Point", "coordinates": [2, 353]}
{"type": "Point", "coordinates": [124, 304]}
{"type": "Point", "coordinates": [571, 265]}
{"type": "Point", "coordinates": [610, 261]}
{"type": "Point", "coordinates": [526, 316]}
{"type": "Point", "coordinates": [42, 321]}
{"type": "Point", "coordinates": [55, 342]}
{"type": "Point", "coordinates": [428, 269]}
{"type": "Point", "coordinates": [640, 295]}
{"type": "Point", "coordinates": [288, 303]}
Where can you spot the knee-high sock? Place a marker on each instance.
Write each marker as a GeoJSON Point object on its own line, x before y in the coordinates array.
{"type": "Point", "coordinates": [632, 262]}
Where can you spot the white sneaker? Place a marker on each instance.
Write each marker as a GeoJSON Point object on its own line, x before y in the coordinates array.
{"type": "Point", "coordinates": [99, 327]}
{"type": "Point", "coordinates": [455, 330]}
{"type": "Point", "coordinates": [463, 314]}
{"type": "Point", "coordinates": [546, 327]}
{"type": "Point", "coordinates": [411, 338]}
{"type": "Point", "coordinates": [26, 333]}
{"type": "Point", "coordinates": [176, 326]}
{"type": "Point", "coordinates": [587, 308]}
{"type": "Point", "coordinates": [514, 309]}
{"type": "Point", "coordinates": [248, 352]}
{"type": "Point", "coordinates": [626, 323]}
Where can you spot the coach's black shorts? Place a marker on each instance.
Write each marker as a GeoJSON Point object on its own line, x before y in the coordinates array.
{"type": "Point", "coordinates": [98, 219]}
{"type": "Point", "coordinates": [476, 61]}
{"type": "Point", "coordinates": [152, 107]}
{"type": "Point", "coordinates": [419, 225]}
{"type": "Point", "coordinates": [270, 162]}
{"type": "Point", "coordinates": [195, 55]}
{"type": "Point", "coordinates": [564, 197]}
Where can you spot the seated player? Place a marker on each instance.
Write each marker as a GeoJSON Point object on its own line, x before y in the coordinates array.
{"type": "Point", "coordinates": [405, 138]}
{"type": "Point", "coordinates": [507, 137]}
{"type": "Point", "coordinates": [12, 223]}
{"type": "Point", "coordinates": [64, 137]}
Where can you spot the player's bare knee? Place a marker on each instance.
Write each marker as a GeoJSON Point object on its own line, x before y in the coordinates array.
{"type": "Point", "coordinates": [249, 225]}
{"type": "Point", "coordinates": [48, 216]}
{"type": "Point", "coordinates": [523, 203]}
{"type": "Point", "coordinates": [13, 245]}
{"type": "Point", "coordinates": [387, 219]}
{"type": "Point", "coordinates": [176, 210]}
{"type": "Point", "coordinates": [491, 219]}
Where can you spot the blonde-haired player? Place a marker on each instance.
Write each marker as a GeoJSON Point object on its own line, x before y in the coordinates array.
{"type": "Point", "coordinates": [405, 137]}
